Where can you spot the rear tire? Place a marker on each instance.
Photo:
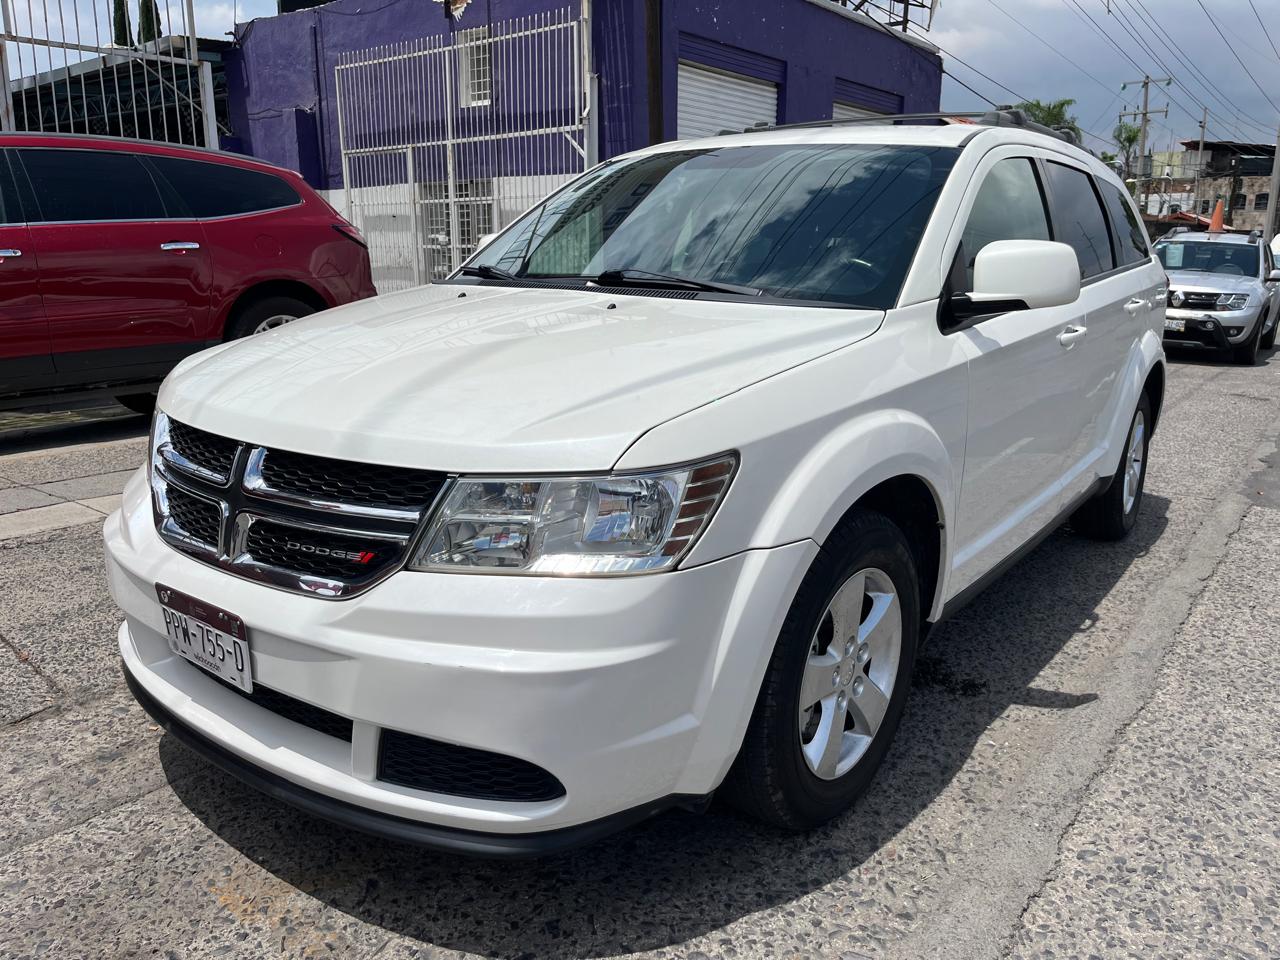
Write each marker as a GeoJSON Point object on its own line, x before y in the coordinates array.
{"type": "Point", "coordinates": [138, 402]}
{"type": "Point", "coordinates": [1112, 514]}
{"type": "Point", "coordinates": [848, 644]}
{"type": "Point", "coordinates": [266, 314]}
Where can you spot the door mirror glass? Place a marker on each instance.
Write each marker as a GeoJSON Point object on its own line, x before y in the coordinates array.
{"type": "Point", "coordinates": [1011, 275]}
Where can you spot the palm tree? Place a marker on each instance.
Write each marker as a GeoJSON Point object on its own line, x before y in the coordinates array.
{"type": "Point", "coordinates": [1126, 137]}
{"type": "Point", "coordinates": [1053, 114]}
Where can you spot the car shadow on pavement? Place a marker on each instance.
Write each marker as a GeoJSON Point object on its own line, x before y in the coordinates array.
{"type": "Point", "coordinates": [680, 876]}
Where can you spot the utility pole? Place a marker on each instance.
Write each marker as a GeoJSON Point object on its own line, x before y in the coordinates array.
{"type": "Point", "coordinates": [1270, 229]}
{"type": "Point", "coordinates": [1204, 122]}
{"type": "Point", "coordinates": [1145, 113]}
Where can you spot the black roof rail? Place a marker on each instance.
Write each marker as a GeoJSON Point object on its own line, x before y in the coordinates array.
{"type": "Point", "coordinates": [999, 117]}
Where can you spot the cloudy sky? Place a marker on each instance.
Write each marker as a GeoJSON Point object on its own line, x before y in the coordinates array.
{"type": "Point", "coordinates": [1068, 56]}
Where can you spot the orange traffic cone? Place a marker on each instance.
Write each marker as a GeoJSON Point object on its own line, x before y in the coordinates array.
{"type": "Point", "coordinates": [1215, 224]}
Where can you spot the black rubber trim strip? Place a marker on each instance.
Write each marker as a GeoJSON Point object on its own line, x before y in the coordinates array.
{"type": "Point", "coordinates": [471, 843]}
{"type": "Point", "coordinates": [965, 596]}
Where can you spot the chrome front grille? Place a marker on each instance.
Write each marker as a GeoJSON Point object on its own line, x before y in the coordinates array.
{"type": "Point", "coordinates": [1195, 301]}
{"type": "Point", "coordinates": [313, 525]}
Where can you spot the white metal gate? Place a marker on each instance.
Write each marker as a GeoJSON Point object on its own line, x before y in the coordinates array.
{"type": "Point", "coordinates": [447, 139]}
{"type": "Point", "coordinates": [78, 66]}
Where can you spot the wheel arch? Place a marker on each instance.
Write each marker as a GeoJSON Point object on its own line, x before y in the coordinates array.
{"type": "Point", "coordinates": [892, 461]}
{"type": "Point", "coordinates": [259, 291]}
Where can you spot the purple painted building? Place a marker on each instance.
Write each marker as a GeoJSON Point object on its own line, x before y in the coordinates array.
{"type": "Point", "coordinates": [664, 68]}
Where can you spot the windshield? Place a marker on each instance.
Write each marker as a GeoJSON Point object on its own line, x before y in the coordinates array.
{"type": "Point", "coordinates": [836, 223]}
{"type": "Point", "coordinates": [1231, 259]}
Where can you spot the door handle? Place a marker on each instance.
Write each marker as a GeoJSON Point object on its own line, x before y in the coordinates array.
{"type": "Point", "coordinates": [180, 245]}
{"type": "Point", "coordinates": [10, 253]}
{"type": "Point", "coordinates": [1134, 305]}
{"type": "Point", "coordinates": [1069, 336]}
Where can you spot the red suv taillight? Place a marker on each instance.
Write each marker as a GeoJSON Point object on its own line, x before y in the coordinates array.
{"type": "Point", "coordinates": [351, 233]}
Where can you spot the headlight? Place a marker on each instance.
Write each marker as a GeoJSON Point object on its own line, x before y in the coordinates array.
{"type": "Point", "coordinates": [1233, 301]}
{"type": "Point", "coordinates": [580, 526]}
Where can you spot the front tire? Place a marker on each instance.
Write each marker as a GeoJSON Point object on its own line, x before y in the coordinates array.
{"type": "Point", "coordinates": [837, 682]}
{"type": "Point", "coordinates": [1112, 514]}
{"type": "Point", "coordinates": [1269, 338]}
{"type": "Point", "coordinates": [1247, 353]}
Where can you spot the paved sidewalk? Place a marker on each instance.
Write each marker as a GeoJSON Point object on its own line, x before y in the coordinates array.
{"type": "Point", "coordinates": [42, 490]}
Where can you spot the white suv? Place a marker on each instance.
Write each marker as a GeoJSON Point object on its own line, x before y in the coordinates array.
{"type": "Point", "coordinates": [656, 497]}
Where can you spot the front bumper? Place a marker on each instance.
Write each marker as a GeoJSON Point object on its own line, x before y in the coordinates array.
{"type": "Point", "coordinates": [633, 692]}
{"type": "Point", "coordinates": [1209, 329]}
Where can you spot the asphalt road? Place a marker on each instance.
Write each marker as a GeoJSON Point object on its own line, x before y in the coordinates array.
{"type": "Point", "coordinates": [1089, 766]}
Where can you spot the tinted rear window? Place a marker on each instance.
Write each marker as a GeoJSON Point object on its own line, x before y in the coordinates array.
{"type": "Point", "coordinates": [219, 190]}
{"type": "Point", "coordinates": [91, 185]}
{"type": "Point", "coordinates": [1078, 219]}
{"type": "Point", "coordinates": [1133, 241]}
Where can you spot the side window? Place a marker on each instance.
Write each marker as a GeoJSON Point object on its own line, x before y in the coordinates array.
{"type": "Point", "coordinates": [1009, 206]}
{"type": "Point", "coordinates": [90, 185]}
{"type": "Point", "coordinates": [9, 210]}
{"type": "Point", "coordinates": [220, 190]}
{"type": "Point", "coordinates": [1133, 241]}
{"type": "Point", "coordinates": [1078, 219]}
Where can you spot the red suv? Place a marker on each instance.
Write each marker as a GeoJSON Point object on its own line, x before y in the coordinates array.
{"type": "Point", "coordinates": [119, 257]}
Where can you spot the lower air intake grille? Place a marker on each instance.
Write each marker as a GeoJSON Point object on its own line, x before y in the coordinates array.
{"type": "Point", "coordinates": [196, 517]}
{"type": "Point", "coordinates": [437, 767]}
{"type": "Point", "coordinates": [295, 710]}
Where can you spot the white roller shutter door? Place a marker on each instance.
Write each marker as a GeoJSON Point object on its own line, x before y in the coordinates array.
{"type": "Point", "coordinates": [846, 111]}
{"type": "Point", "coordinates": [710, 101]}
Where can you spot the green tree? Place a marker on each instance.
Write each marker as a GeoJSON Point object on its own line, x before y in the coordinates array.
{"type": "Point", "coordinates": [121, 32]}
{"type": "Point", "coordinates": [1054, 114]}
{"type": "Point", "coordinates": [149, 27]}
{"type": "Point", "coordinates": [1125, 136]}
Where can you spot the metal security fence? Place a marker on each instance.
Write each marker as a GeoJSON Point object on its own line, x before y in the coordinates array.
{"type": "Point", "coordinates": [78, 66]}
{"type": "Point", "coordinates": [447, 139]}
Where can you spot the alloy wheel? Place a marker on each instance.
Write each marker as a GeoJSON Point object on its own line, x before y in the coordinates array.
{"type": "Point", "coordinates": [270, 323]}
{"type": "Point", "coordinates": [1134, 456]}
{"type": "Point", "coordinates": [850, 673]}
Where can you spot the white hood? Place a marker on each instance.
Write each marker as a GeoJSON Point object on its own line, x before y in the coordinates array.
{"type": "Point", "coordinates": [499, 379]}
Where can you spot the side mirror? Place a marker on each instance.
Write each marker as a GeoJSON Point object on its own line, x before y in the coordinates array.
{"type": "Point", "coordinates": [1273, 276]}
{"type": "Point", "coordinates": [1013, 275]}
{"type": "Point", "coordinates": [485, 240]}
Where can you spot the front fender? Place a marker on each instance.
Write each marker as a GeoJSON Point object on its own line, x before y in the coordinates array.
{"type": "Point", "coordinates": [1146, 354]}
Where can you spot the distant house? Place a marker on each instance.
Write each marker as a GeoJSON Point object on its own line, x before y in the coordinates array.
{"type": "Point", "coordinates": [434, 127]}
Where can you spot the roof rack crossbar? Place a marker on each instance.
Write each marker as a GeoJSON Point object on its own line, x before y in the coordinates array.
{"type": "Point", "coordinates": [999, 117]}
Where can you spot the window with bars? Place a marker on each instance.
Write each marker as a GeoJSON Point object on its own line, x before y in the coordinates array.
{"type": "Point", "coordinates": [475, 67]}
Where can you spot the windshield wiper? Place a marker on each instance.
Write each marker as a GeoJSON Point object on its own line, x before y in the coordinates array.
{"type": "Point", "coordinates": [486, 272]}
{"type": "Point", "coordinates": [629, 275]}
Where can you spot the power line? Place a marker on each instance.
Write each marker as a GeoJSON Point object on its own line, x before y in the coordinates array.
{"type": "Point", "coordinates": [1056, 51]}
{"type": "Point", "coordinates": [1228, 45]}
{"type": "Point", "coordinates": [1265, 32]}
{"type": "Point", "coordinates": [1210, 88]}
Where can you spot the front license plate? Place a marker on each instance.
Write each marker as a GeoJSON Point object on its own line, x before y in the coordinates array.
{"type": "Point", "coordinates": [1175, 326]}
{"type": "Point", "coordinates": [208, 636]}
